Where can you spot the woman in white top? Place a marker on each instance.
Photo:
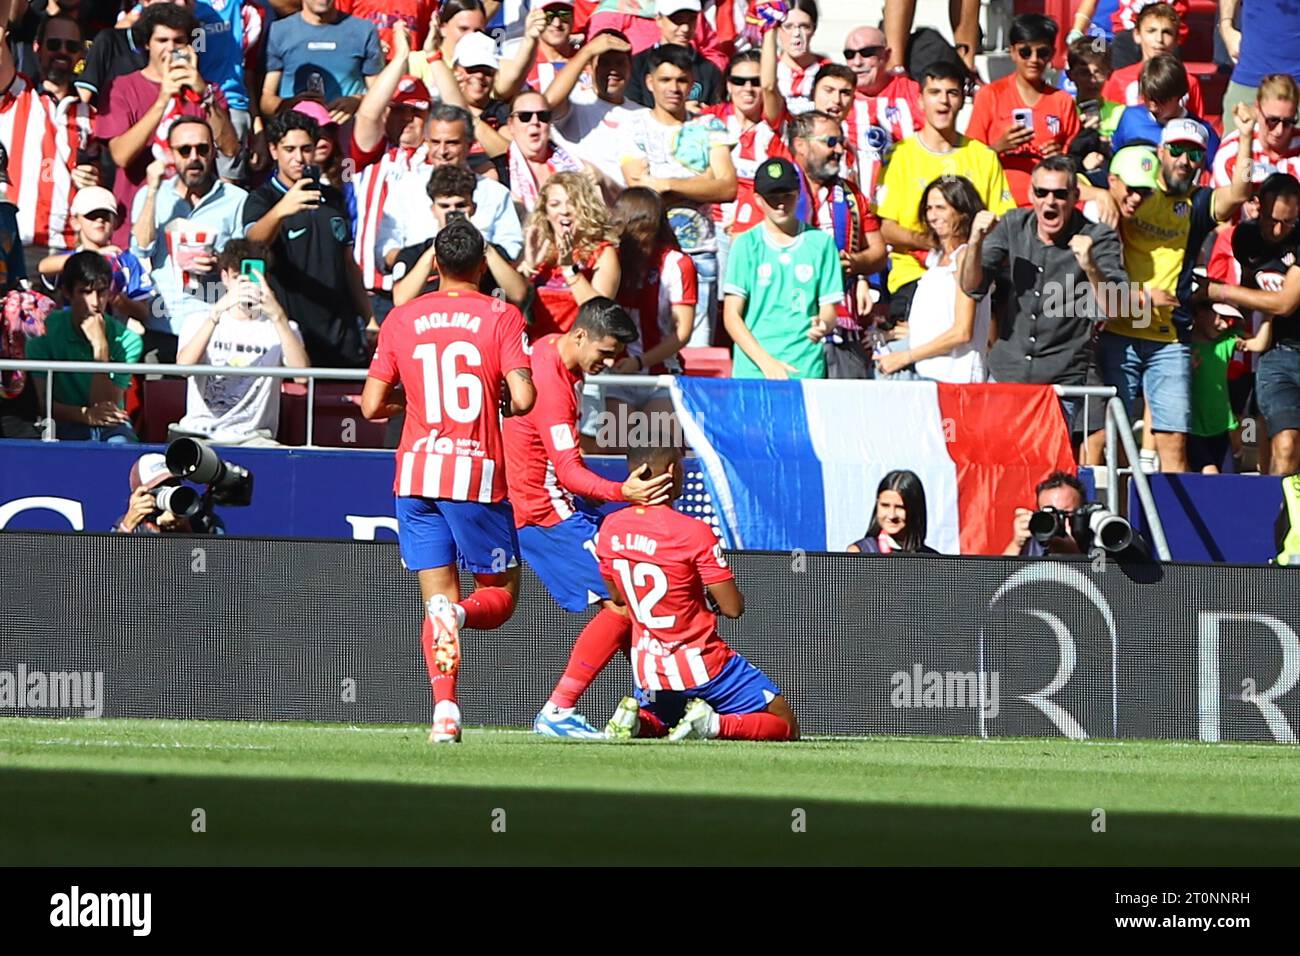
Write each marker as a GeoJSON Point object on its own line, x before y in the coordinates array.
{"type": "Point", "coordinates": [948, 331]}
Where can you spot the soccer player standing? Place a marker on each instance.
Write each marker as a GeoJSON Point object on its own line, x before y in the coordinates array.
{"type": "Point", "coordinates": [659, 565]}
{"type": "Point", "coordinates": [557, 538]}
{"type": "Point", "coordinates": [454, 352]}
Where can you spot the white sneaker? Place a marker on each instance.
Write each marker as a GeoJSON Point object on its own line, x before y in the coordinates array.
{"type": "Point", "coordinates": [700, 720]}
{"type": "Point", "coordinates": [1149, 462]}
{"type": "Point", "coordinates": [626, 721]}
{"type": "Point", "coordinates": [446, 724]}
{"type": "Point", "coordinates": [446, 634]}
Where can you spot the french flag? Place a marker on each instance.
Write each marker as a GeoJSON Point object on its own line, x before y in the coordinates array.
{"type": "Point", "coordinates": [796, 464]}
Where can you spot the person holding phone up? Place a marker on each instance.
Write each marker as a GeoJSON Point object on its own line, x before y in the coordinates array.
{"type": "Point", "coordinates": [1021, 116]}
{"type": "Point", "coordinates": [306, 225]}
{"type": "Point", "coordinates": [247, 327]}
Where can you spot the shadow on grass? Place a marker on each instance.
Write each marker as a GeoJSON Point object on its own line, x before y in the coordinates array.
{"type": "Point", "coordinates": [77, 818]}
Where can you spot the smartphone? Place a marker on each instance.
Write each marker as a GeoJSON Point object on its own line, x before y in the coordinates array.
{"type": "Point", "coordinates": [1090, 106]}
{"type": "Point", "coordinates": [1023, 117]}
{"type": "Point", "coordinates": [88, 155]}
{"type": "Point", "coordinates": [253, 268]}
{"type": "Point", "coordinates": [312, 171]}
{"type": "Point", "coordinates": [456, 214]}
{"type": "Point", "coordinates": [179, 56]}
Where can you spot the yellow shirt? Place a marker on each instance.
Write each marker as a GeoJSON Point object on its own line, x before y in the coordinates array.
{"type": "Point", "coordinates": [912, 167]}
{"type": "Point", "coordinates": [1155, 246]}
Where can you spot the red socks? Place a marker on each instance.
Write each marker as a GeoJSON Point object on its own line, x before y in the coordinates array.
{"type": "Point", "coordinates": [595, 647]}
{"type": "Point", "coordinates": [651, 725]}
{"type": "Point", "coordinates": [444, 687]}
{"type": "Point", "coordinates": [487, 608]}
{"type": "Point", "coordinates": [759, 726]}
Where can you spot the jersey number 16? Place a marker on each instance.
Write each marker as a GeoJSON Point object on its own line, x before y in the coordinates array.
{"type": "Point", "coordinates": [444, 385]}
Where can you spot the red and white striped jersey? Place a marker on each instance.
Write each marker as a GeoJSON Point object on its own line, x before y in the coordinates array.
{"type": "Point", "coordinates": [377, 176]}
{"type": "Point", "coordinates": [796, 85]}
{"type": "Point", "coordinates": [545, 468]}
{"type": "Point", "coordinates": [1225, 160]}
{"type": "Point", "coordinates": [670, 281]}
{"type": "Point", "coordinates": [42, 138]}
{"type": "Point", "coordinates": [751, 146]}
{"type": "Point", "coordinates": [727, 18]}
{"type": "Point", "coordinates": [662, 561]}
{"type": "Point", "coordinates": [896, 109]}
{"type": "Point", "coordinates": [451, 352]}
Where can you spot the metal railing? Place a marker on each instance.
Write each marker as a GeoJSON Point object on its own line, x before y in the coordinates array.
{"type": "Point", "coordinates": [1116, 423]}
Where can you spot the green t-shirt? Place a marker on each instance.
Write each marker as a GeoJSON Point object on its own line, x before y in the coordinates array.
{"type": "Point", "coordinates": [1211, 410]}
{"type": "Point", "coordinates": [64, 341]}
{"type": "Point", "coordinates": [784, 287]}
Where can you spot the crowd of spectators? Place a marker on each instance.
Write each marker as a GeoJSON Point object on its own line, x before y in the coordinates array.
{"type": "Point", "coordinates": [876, 214]}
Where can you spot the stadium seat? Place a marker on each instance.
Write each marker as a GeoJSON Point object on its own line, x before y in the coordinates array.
{"type": "Point", "coordinates": [338, 419]}
{"type": "Point", "coordinates": [707, 362]}
{"type": "Point", "coordinates": [163, 404]}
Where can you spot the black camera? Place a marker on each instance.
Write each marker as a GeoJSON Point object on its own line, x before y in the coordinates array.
{"type": "Point", "coordinates": [1088, 525]}
{"type": "Point", "coordinates": [194, 460]}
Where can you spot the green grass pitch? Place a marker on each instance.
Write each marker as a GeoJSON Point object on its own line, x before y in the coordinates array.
{"type": "Point", "coordinates": [84, 792]}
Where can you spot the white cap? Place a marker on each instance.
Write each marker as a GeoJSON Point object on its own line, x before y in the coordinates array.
{"type": "Point", "coordinates": [666, 8]}
{"type": "Point", "coordinates": [1229, 310]}
{"type": "Point", "coordinates": [92, 199]}
{"type": "Point", "coordinates": [1184, 130]}
{"type": "Point", "coordinates": [476, 49]}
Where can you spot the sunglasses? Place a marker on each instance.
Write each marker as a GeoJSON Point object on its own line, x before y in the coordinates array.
{"type": "Point", "coordinates": [99, 215]}
{"type": "Point", "coordinates": [1028, 52]}
{"type": "Point", "coordinates": [1272, 121]}
{"type": "Point", "coordinates": [1143, 191]}
{"type": "Point", "coordinates": [203, 149]}
{"type": "Point", "coordinates": [564, 15]}
{"type": "Point", "coordinates": [867, 52]}
{"type": "Point", "coordinates": [753, 81]}
{"type": "Point", "coordinates": [831, 141]}
{"type": "Point", "coordinates": [1061, 194]}
{"type": "Point", "coordinates": [57, 45]}
{"type": "Point", "coordinates": [1178, 150]}
{"type": "Point", "coordinates": [526, 116]}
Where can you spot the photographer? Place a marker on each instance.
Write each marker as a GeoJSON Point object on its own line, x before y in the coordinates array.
{"type": "Point", "coordinates": [149, 475]}
{"type": "Point", "coordinates": [1064, 493]}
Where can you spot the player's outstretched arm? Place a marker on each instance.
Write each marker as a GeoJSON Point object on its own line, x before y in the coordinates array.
{"type": "Point", "coordinates": [726, 595]}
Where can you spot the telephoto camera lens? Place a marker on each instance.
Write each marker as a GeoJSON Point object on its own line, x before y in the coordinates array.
{"type": "Point", "coordinates": [180, 500]}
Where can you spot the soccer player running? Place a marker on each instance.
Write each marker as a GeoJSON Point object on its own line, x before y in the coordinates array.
{"type": "Point", "coordinates": [557, 539]}
{"type": "Point", "coordinates": [457, 354]}
{"type": "Point", "coordinates": [660, 564]}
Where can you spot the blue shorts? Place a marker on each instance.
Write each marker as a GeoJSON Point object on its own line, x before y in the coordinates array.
{"type": "Point", "coordinates": [741, 688]}
{"type": "Point", "coordinates": [564, 557]}
{"type": "Point", "coordinates": [1277, 388]}
{"type": "Point", "coordinates": [436, 532]}
{"type": "Point", "coordinates": [1161, 371]}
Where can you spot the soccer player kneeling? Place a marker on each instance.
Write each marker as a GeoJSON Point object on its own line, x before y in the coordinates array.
{"type": "Point", "coordinates": [659, 564]}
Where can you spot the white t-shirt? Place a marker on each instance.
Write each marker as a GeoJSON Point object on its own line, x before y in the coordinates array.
{"type": "Point", "coordinates": [234, 407]}
{"type": "Point", "coordinates": [410, 219]}
{"type": "Point", "coordinates": [599, 132]}
{"type": "Point", "coordinates": [680, 151]}
{"type": "Point", "coordinates": [933, 312]}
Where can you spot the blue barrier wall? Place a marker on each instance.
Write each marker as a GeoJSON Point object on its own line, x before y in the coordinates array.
{"type": "Point", "coordinates": [1215, 517]}
{"type": "Point", "coordinates": [297, 493]}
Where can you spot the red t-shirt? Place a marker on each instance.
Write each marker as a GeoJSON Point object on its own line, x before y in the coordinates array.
{"type": "Point", "coordinates": [384, 13]}
{"type": "Point", "coordinates": [662, 561]}
{"type": "Point", "coordinates": [545, 468]}
{"type": "Point", "coordinates": [1055, 119]}
{"type": "Point", "coordinates": [555, 308]}
{"type": "Point", "coordinates": [129, 99]}
{"type": "Point", "coordinates": [451, 352]}
{"type": "Point", "coordinates": [1122, 87]}
{"type": "Point", "coordinates": [670, 281]}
